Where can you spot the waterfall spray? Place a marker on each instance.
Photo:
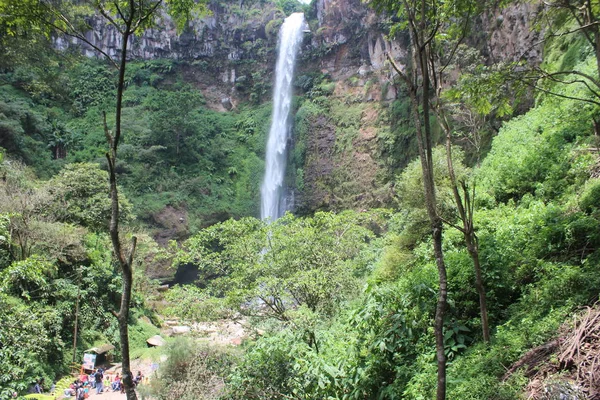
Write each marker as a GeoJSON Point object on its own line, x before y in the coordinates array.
{"type": "Point", "coordinates": [272, 196]}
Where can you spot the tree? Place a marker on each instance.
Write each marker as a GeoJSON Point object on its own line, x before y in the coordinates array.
{"type": "Point", "coordinates": [293, 270]}
{"type": "Point", "coordinates": [23, 344]}
{"type": "Point", "coordinates": [78, 197]}
{"type": "Point", "coordinates": [128, 18]}
{"type": "Point", "coordinates": [431, 27]}
{"type": "Point", "coordinates": [60, 140]}
{"type": "Point", "coordinates": [22, 203]}
{"type": "Point", "coordinates": [464, 196]}
{"type": "Point", "coordinates": [171, 118]}
{"type": "Point", "coordinates": [423, 23]}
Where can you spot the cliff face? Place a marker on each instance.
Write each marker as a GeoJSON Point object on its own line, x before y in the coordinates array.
{"type": "Point", "coordinates": [237, 40]}
{"type": "Point", "coordinates": [351, 35]}
{"type": "Point", "coordinates": [347, 163]}
{"type": "Point", "coordinates": [221, 33]}
{"type": "Point", "coordinates": [511, 35]}
{"type": "Point", "coordinates": [230, 56]}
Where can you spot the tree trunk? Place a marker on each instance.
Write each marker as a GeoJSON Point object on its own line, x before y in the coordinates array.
{"type": "Point", "coordinates": [124, 262]}
{"type": "Point", "coordinates": [473, 250]}
{"type": "Point", "coordinates": [424, 145]}
{"type": "Point", "coordinates": [422, 49]}
{"type": "Point", "coordinates": [465, 213]}
{"type": "Point", "coordinates": [440, 308]}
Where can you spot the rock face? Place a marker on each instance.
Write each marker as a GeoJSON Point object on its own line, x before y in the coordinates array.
{"type": "Point", "coordinates": [230, 57]}
{"type": "Point", "coordinates": [350, 36]}
{"type": "Point", "coordinates": [511, 34]}
{"type": "Point", "coordinates": [345, 37]}
{"type": "Point", "coordinates": [212, 36]}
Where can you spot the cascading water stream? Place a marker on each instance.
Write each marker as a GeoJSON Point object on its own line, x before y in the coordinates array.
{"type": "Point", "coordinates": [272, 199]}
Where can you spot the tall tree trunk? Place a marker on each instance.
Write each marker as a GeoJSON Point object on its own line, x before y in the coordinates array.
{"type": "Point", "coordinates": [436, 234]}
{"type": "Point", "coordinates": [419, 60]}
{"type": "Point", "coordinates": [440, 310]}
{"type": "Point", "coordinates": [423, 48]}
{"type": "Point", "coordinates": [125, 262]}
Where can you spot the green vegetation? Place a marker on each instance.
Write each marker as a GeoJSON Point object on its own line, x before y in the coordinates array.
{"type": "Point", "coordinates": [177, 153]}
{"type": "Point", "coordinates": [54, 248]}
{"type": "Point", "coordinates": [540, 258]}
{"type": "Point", "coordinates": [337, 305]}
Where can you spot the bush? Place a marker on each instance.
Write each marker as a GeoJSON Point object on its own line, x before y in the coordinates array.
{"type": "Point", "coordinates": [269, 369]}
{"type": "Point", "coordinates": [590, 199]}
{"type": "Point", "coordinates": [190, 372]}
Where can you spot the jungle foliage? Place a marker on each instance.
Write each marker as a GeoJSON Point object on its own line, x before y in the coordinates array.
{"type": "Point", "coordinates": [54, 249]}
{"type": "Point", "coordinates": [537, 230]}
{"type": "Point", "coordinates": [341, 305]}
{"type": "Point", "coordinates": [178, 152]}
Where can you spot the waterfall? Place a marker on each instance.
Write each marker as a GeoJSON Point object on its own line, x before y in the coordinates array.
{"type": "Point", "coordinates": [272, 196]}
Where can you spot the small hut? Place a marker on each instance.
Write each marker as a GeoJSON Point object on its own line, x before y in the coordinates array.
{"type": "Point", "coordinates": [103, 355]}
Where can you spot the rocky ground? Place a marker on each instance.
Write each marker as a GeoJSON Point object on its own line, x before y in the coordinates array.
{"type": "Point", "coordinates": [223, 332]}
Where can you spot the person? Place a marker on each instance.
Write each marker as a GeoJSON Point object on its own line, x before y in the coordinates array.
{"type": "Point", "coordinates": [106, 383]}
{"type": "Point", "coordinates": [37, 388]}
{"type": "Point", "coordinates": [71, 390]}
{"type": "Point", "coordinates": [75, 389]}
{"type": "Point", "coordinates": [138, 378]}
{"type": "Point", "coordinates": [116, 384]}
{"type": "Point", "coordinates": [98, 376]}
{"type": "Point", "coordinates": [79, 390]}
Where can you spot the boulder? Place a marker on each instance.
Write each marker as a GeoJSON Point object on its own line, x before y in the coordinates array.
{"type": "Point", "coordinates": [226, 103]}
{"type": "Point", "coordinates": [156, 340]}
{"type": "Point", "coordinates": [180, 330]}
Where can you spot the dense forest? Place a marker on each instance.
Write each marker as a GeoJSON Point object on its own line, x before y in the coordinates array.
{"type": "Point", "coordinates": [443, 242]}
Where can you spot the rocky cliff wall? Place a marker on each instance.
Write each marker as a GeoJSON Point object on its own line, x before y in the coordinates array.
{"type": "Point", "coordinates": [345, 39]}
{"type": "Point", "coordinates": [230, 57]}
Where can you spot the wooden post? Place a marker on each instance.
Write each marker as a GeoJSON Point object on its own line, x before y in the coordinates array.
{"type": "Point", "coordinates": [76, 313]}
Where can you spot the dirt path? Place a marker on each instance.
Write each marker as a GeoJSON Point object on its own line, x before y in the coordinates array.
{"type": "Point", "coordinates": [110, 395]}
{"type": "Point", "coordinates": [105, 395]}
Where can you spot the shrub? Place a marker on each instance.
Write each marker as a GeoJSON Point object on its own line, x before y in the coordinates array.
{"type": "Point", "coordinates": [191, 372]}
{"type": "Point", "coordinates": [590, 199]}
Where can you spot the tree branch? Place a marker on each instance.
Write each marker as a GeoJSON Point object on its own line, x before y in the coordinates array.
{"type": "Point", "coordinates": [552, 75]}
{"type": "Point", "coordinates": [398, 70]}
{"type": "Point", "coordinates": [132, 251]}
{"type": "Point", "coordinates": [109, 18]}
{"type": "Point", "coordinates": [536, 87]}
{"type": "Point", "coordinates": [144, 18]}
{"type": "Point", "coordinates": [73, 33]}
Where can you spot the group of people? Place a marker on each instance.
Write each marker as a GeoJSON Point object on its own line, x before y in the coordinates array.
{"type": "Point", "coordinates": [117, 383]}
{"type": "Point", "coordinates": [84, 383]}
{"type": "Point", "coordinates": [100, 382]}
